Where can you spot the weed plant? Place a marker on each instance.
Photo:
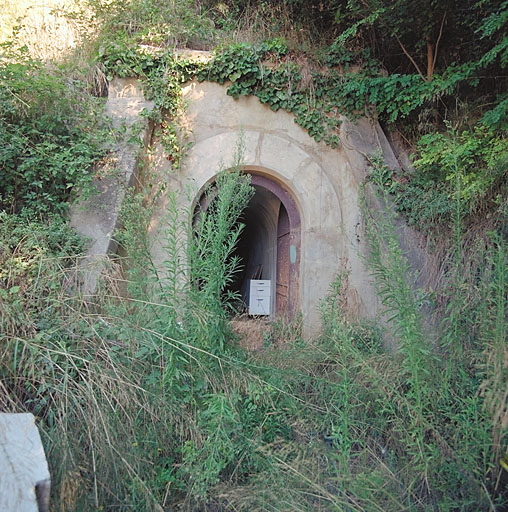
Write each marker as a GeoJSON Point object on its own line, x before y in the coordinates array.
{"type": "Point", "coordinates": [52, 133]}
{"type": "Point", "coordinates": [447, 388]}
{"type": "Point", "coordinates": [145, 402]}
{"type": "Point", "coordinates": [174, 23]}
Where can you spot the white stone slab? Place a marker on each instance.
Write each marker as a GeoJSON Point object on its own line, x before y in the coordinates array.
{"type": "Point", "coordinates": [23, 465]}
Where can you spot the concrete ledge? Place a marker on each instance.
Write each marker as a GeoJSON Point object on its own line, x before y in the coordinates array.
{"type": "Point", "coordinates": [97, 217]}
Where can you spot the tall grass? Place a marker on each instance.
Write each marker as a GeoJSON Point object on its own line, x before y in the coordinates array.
{"type": "Point", "coordinates": [493, 334]}
{"type": "Point", "coordinates": [449, 439]}
{"type": "Point", "coordinates": [48, 29]}
{"type": "Point", "coordinates": [145, 401]}
{"type": "Point", "coordinates": [212, 263]}
{"type": "Point", "coordinates": [125, 386]}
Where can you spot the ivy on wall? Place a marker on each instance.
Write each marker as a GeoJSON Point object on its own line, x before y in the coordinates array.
{"type": "Point", "coordinates": [263, 70]}
{"type": "Point", "coordinates": [317, 94]}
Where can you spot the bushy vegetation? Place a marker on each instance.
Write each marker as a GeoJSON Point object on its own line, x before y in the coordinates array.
{"type": "Point", "coordinates": [145, 401]}
{"type": "Point", "coordinates": [51, 138]}
{"type": "Point", "coordinates": [450, 111]}
{"type": "Point", "coordinates": [143, 396]}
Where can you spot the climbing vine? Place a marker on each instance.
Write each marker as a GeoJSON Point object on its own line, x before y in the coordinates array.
{"type": "Point", "coordinates": [316, 93]}
{"type": "Point", "coordinates": [162, 73]}
{"type": "Point", "coordinates": [268, 72]}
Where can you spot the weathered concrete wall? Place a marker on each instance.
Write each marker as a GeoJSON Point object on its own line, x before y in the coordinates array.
{"type": "Point", "coordinates": [323, 181]}
{"type": "Point", "coordinates": [97, 217]}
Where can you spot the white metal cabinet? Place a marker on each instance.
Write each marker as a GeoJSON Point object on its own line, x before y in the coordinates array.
{"type": "Point", "coordinates": [260, 297]}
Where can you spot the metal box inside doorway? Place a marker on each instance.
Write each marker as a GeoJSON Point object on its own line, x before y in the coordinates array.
{"type": "Point", "coordinates": [260, 297]}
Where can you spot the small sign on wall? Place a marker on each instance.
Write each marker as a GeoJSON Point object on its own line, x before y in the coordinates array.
{"type": "Point", "coordinates": [259, 297]}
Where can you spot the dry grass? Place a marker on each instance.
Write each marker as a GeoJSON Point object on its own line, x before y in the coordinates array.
{"type": "Point", "coordinates": [49, 29]}
{"type": "Point", "coordinates": [258, 23]}
{"type": "Point", "coordinates": [251, 332]}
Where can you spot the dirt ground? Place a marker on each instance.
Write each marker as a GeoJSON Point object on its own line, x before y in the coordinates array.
{"type": "Point", "coordinates": [251, 331]}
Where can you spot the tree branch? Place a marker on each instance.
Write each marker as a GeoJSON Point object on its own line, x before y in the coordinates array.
{"type": "Point", "coordinates": [409, 57]}
{"type": "Point", "coordinates": [438, 39]}
{"type": "Point", "coordinates": [430, 59]}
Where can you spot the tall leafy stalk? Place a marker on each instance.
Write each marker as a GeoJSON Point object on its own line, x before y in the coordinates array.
{"type": "Point", "coordinates": [392, 274]}
{"type": "Point", "coordinates": [217, 229]}
{"type": "Point", "coordinates": [494, 328]}
{"type": "Point", "coordinates": [454, 331]}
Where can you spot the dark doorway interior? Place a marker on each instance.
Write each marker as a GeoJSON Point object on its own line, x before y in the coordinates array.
{"type": "Point", "coordinates": [269, 246]}
{"type": "Point", "coordinates": [257, 247]}
{"type": "Point", "coordinates": [283, 265]}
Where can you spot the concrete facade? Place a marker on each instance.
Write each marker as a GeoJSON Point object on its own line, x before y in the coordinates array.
{"type": "Point", "coordinates": [316, 187]}
{"type": "Point", "coordinates": [96, 218]}
{"type": "Point", "coordinates": [323, 182]}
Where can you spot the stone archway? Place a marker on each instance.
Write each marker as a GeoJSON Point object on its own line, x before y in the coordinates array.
{"type": "Point", "coordinates": [287, 247]}
{"type": "Point", "coordinates": [324, 182]}
{"type": "Point", "coordinates": [270, 245]}
{"type": "Point", "coordinates": [321, 181]}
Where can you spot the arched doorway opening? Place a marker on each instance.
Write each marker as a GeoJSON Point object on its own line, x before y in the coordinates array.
{"type": "Point", "coordinates": [269, 246]}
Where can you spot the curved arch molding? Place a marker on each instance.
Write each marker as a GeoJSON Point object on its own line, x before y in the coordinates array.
{"type": "Point", "coordinates": [321, 184]}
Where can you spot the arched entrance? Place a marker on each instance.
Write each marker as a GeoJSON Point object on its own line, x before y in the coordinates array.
{"type": "Point", "coordinates": [269, 247]}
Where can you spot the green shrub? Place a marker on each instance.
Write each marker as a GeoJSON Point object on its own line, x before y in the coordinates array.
{"type": "Point", "coordinates": [51, 133]}
{"type": "Point", "coordinates": [466, 169]}
{"type": "Point", "coordinates": [155, 22]}
{"type": "Point", "coordinates": [140, 407]}
{"type": "Point", "coordinates": [478, 155]}
{"type": "Point", "coordinates": [32, 256]}
{"type": "Point", "coordinates": [212, 264]}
